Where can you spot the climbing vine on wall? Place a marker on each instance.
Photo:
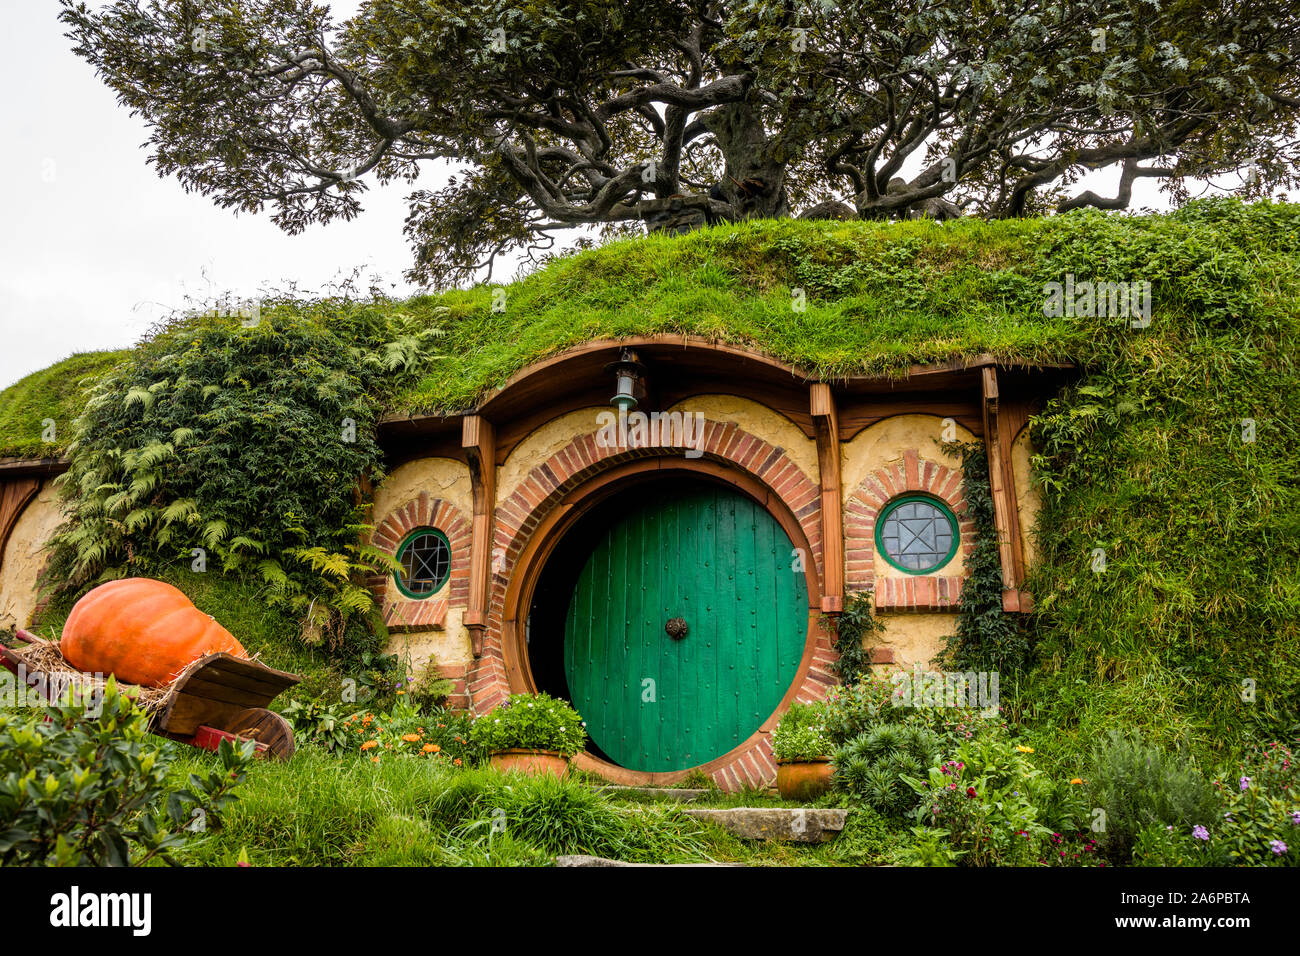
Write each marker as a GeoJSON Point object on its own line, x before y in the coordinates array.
{"type": "Point", "coordinates": [855, 630]}
{"type": "Point", "coordinates": [227, 447]}
{"type": "Point", "coordinates": [987, 638]}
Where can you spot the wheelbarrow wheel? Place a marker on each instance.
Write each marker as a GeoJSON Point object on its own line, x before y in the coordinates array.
{"type": "Point", "coordinates": [266, 727]}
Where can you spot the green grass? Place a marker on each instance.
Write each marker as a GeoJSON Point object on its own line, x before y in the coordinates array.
{"type": "Point", "coordinates": [321, 811]}
{"type": "Point", "coordinates": [56, 393]}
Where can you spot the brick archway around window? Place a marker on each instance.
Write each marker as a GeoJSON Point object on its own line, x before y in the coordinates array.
{"type": "Point", "coordinates": [408, 614]}
{"type": "Point", "coordinates": [911, 592]}
{"type": "Point", "coordinates": [519, 515]}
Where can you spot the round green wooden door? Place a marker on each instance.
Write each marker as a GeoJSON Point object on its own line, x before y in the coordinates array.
{"type": "Point", "coordinates": [711, 558]}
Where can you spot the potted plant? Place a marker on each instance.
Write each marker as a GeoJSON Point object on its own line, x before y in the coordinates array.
{"type": "Point", "coordinates": [531, 733]}
{"type": "Point", "coordinates": [802, 750]}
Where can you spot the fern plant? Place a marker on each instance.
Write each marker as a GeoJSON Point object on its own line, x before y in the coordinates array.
{"type": "Point", "coordinates": [234, 449]}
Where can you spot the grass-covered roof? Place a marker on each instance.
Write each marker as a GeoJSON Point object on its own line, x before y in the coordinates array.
{"type": "Point", "coordinates": [878, 297]}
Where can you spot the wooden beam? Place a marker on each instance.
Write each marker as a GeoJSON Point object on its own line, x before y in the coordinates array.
{"type": "Point", "coordinates": [478, 438]}
{"type": "Point", "coordinates": [1006, 516]}
{"type": "Point", "coordinates": [827, 422]}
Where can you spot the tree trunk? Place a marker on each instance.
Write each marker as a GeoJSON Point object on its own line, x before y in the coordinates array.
{"type": "Point", "coordinates": [753, 183]}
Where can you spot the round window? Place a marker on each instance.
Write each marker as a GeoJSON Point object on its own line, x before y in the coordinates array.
{"type": "Point", "coordinates": [917, 534]}
{"type": "Point", "coordinates": [425, 557]}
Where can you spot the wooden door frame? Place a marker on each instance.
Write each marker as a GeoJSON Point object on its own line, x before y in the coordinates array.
{"type": "Point", "coordinates": [560, 519]}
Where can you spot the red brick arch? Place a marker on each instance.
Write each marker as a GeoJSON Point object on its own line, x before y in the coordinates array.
{"type": "Point", "coordinates": [583, 461]}
{"type": "Point", "coordinates": [400, 612]}
{"type": "Point", "coordinates": [920, 592]}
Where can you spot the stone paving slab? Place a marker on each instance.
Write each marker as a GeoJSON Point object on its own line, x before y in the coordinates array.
{"type": "Point", "coordinates": [812, 825]}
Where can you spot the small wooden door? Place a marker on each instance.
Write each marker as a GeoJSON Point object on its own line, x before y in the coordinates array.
{"type": "Point", "coordinates": [718, 561]}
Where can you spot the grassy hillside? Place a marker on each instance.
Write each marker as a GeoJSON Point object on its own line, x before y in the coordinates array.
{"type": "Point", "coordinates": [1192, 629]}
{"type": "Point", "coordinates": [57, 393]}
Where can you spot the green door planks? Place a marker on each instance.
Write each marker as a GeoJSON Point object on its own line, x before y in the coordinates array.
{"type": "Point", "coordinates": [719, 561]}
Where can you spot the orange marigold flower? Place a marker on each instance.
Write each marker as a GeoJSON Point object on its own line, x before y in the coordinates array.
{"type": "Point", "coordinates": [456, 761]}
{"type": "Point", "coordinates": [410, 738]}
{"type": "Point", "coordinates": [1076, 780]}
{"type": "Point", "coordinates": [431, 748]}
{"type": "Point", "coordinates": [370, 745]}
{"type": "Point", "coordinates": [374, 760]}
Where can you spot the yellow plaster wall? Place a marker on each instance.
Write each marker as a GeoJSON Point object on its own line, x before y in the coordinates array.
{"type": "Point", "coordinates": [24, 556]}
{"type": "Point", "coordinates": [448, 646]}
{"type": "Point", "coordinates": [882, 445]}
{"type": "Point", "coordinates": [1029, 496]}
{"type": "Point", "coordinates": [443, 478]}
{"type": "Point", "coordinates": [916, 638]}
{"type": "Point", "coordinates": [540, 444]}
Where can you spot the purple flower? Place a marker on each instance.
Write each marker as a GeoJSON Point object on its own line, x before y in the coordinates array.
{"type": "Point", "coordinates": [1295, 817]}
{"type": "Point", "coordinates": [1245, 783]}
{"type": "Point", "coordinates": [1277, 846]}
{"type": "Point", "coordinates": [1200, 832]}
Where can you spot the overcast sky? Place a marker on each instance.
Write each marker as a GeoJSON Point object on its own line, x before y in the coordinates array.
{"type": "Point", "coordinates": [94, 247]}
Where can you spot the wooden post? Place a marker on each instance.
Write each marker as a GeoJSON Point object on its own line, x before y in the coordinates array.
{"type": "Point", "coordinates": [1006, 517]}
{"type": "Point", "coordinates": [827, 422]}
{"type": "Point", "coordinates": [479, 441]}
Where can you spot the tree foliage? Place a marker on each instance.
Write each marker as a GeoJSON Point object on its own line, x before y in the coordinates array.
{"type": "Point", "coordinates": [562, 113]}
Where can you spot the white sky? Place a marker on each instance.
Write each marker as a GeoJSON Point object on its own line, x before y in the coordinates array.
{"type": "Point", "coordinates": [94, 247]}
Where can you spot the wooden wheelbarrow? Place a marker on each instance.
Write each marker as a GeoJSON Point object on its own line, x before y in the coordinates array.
{"type": "Point", "coordinates": [217, 697]}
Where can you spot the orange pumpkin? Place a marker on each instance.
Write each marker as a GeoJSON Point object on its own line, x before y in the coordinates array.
{"type": "Point", "coordinates": [144, 631]}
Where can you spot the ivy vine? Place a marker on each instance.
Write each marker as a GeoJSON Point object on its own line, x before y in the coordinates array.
{"type": "Point", "coordinates": [987, 637]}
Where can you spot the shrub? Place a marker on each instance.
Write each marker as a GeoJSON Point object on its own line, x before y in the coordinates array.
{"type": "Point", "coordinates": [852, 711]}
{"type": "Point", "coordinates": [317, 724]}
{"type": "Point", "coordinates": [1259, 822]}
{"type": "Point", "coordinates": [1137, 784]}
{"type": "Point", "coordinates": [531, 722]}
{"type": "Point", "coordinates": [987, 800]}
{"type": "Point", "coordinates": [246, 442]}
{"type": "Point", "coordinates": [83, 786]}
{"type": "Point", "coordinates": [801, 733]}
{"type": "Point", "coordinates": [872, 765]}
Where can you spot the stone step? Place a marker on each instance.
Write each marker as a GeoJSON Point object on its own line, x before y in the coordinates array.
{"type": "Point", "coordinates": [811, 825]}
{"type": "Point", "coordinates": [678, 795]}
{"type": "Point", "coordinates": [579, 860]}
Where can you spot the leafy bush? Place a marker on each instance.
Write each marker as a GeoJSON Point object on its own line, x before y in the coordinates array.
{"type": "Point", "coordinates": [872, 766]}
{"type": "Point", "coordinates": [83, 786]}
{"type": "Point", "coordinates": [852, 711]}
{"type": "Point", "coordinates": [246, 442]}
{"type": "Point", "coordinates": [1260, 820]}
{"type": "Point", "coordinates": [801, 733]}
{"type": "Point", "coordinates": [1137, 784]}
{"type": "Point", "coordinates": [987, 800]}
{"type": "Point", "coordinates": [531, 722]}
{"type": "Point", "coordinates": [318, 725]}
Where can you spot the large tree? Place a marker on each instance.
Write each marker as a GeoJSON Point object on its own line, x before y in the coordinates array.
{"type": "Point", "coordinates": [559, 114]}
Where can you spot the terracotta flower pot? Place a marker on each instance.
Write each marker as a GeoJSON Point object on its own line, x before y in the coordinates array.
{"type": "Point", "coordinates": [803, 780]}
{"type": "Point", "coordinates": [535, 763]}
